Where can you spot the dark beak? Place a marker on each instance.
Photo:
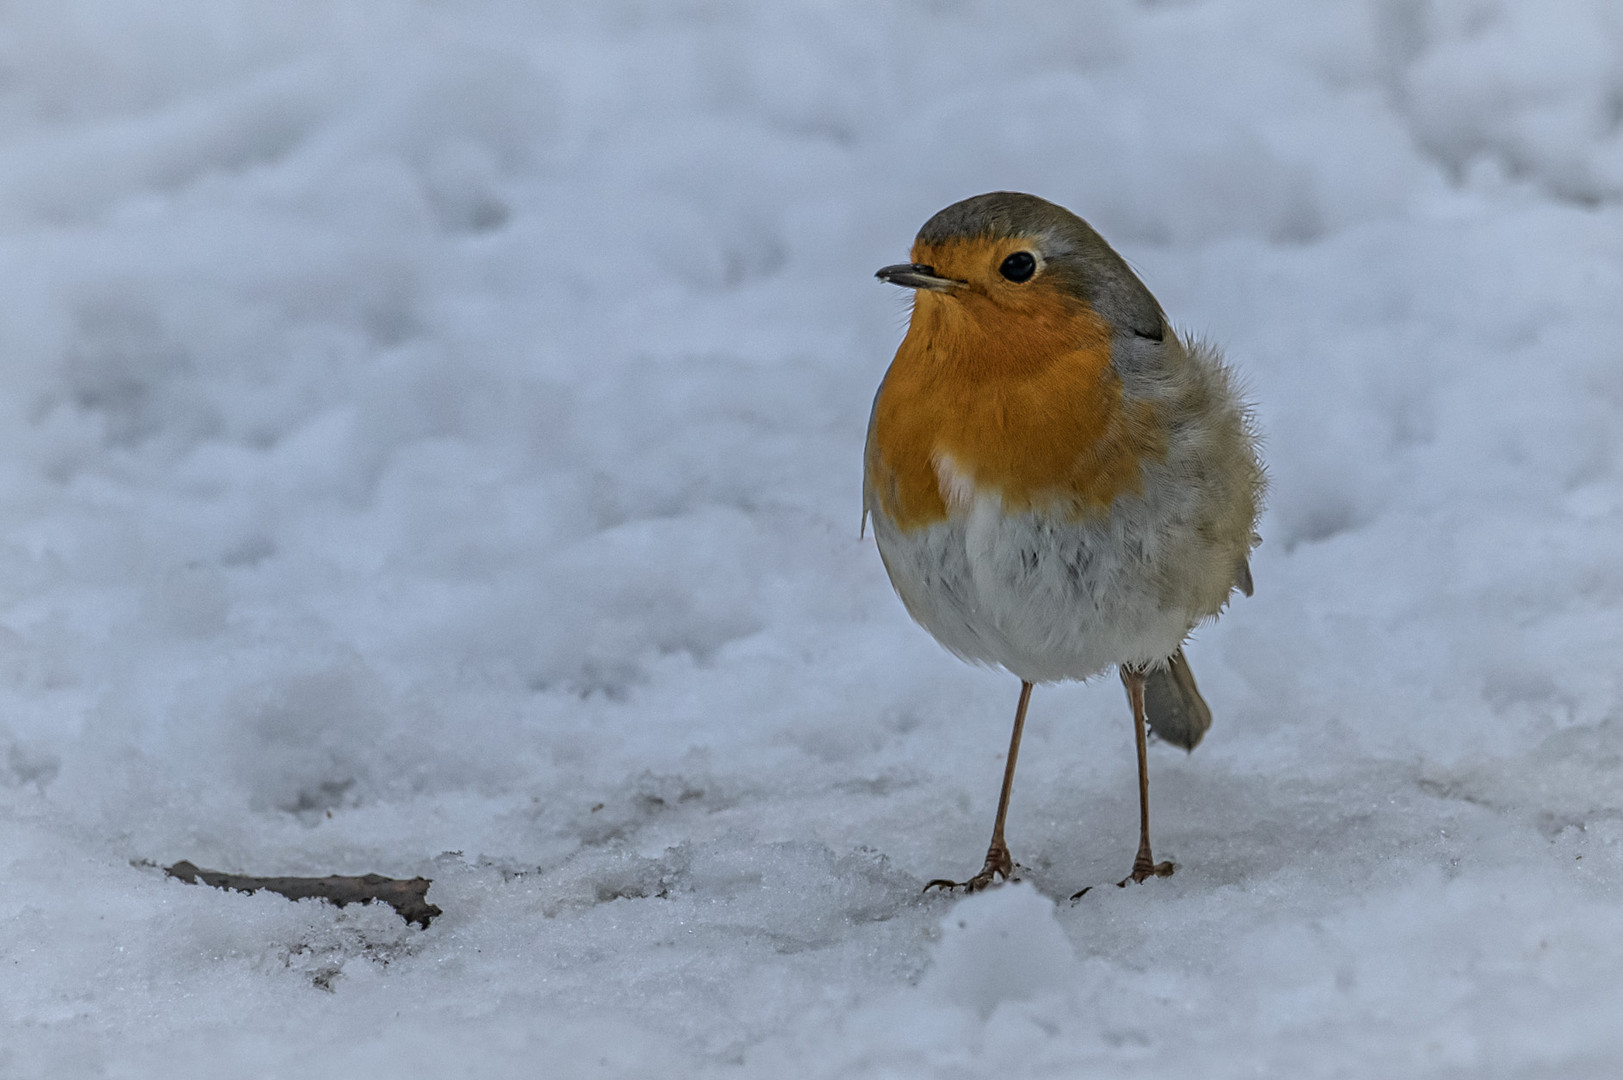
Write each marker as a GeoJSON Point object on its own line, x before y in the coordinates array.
{"type": "Point", "coordinates": [915, 276]}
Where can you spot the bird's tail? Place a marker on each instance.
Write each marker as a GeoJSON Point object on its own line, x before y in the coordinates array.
{"type": "Point", "coordinates": [1173, 705]}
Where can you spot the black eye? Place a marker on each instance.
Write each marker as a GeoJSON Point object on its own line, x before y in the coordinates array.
{"type": "Point", "coordinates": [1019, 266]}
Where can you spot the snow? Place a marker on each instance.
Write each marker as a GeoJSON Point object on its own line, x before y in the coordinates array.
{"type": "Point", "coordinates": [431, 446]}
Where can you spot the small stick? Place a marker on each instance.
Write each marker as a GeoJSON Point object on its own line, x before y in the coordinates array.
{"type": "Point", "coordinates": [408, 898]}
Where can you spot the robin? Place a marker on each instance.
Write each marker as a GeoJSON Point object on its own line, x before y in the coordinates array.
{"type": "Point", "coordinates": [1059, 483]}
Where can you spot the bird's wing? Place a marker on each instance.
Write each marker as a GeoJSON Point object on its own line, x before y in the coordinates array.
{"type": "Point", "coordinates": [1242, 576]}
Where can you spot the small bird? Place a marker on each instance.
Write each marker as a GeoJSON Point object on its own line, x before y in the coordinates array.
{"type": "Point", "coordinates": [1058, 483]}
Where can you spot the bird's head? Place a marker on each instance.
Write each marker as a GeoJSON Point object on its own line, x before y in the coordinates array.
{"type": "Point", "coordinates": [1005, 258]}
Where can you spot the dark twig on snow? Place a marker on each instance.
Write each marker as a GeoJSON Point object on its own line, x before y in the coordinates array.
{"type": "Point", "coordinates": [408, 898]}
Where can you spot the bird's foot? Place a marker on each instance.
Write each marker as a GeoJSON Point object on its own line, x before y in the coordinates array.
{"type": "Point", "coordinates": [1144, 868]}
{"type": "Point", "coordinates": [998, 865]}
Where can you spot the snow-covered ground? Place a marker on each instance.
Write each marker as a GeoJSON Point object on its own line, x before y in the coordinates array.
{"type": "Point", "coordinates": [430, 445]}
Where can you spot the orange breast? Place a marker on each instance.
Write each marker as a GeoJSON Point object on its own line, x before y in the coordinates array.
{"type": "Point", "coordinates": [1020, 402]}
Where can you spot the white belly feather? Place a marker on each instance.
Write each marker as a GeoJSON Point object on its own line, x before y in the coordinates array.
{"type": "Point", "coordinates": [1045, 598]}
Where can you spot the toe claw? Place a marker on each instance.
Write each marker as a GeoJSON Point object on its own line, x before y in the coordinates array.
{"type": "Point", "coordinates": [983, 880]}
{"type": "Point", "coordinates": [998, 865]}
{"type": "Point", "coordinates": [1144, 870]}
